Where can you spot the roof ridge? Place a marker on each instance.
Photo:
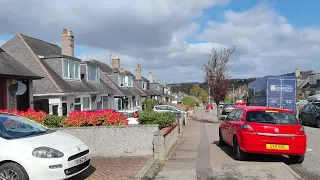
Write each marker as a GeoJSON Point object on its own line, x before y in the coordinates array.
{"type": "Point", "coordinates": [22, 35]}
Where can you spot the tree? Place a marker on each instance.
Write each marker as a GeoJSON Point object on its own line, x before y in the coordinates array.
{"type": "Point", "coordinates": [216, 73]}
{"type": "Point", "coordinates": [203, 96]}
{"type": "Point", "coordinates": [195, 90]}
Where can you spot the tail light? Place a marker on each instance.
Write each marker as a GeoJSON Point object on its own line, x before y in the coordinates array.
{"type": "Point", "coordinates": [135, 115]}
{"type": "Point", "coordinates": [247, 129]}
{"type": "Point", "coordinates": [301, 132]}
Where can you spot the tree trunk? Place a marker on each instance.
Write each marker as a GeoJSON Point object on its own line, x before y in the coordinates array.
{"type": "Point", "coordinates": [218, 110]}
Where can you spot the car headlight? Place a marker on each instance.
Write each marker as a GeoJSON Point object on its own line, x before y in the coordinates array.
{"type": "Point", "coordinates": [46, 152]}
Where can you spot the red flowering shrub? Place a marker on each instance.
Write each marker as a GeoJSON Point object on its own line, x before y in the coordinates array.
{"type": "Point", "coordinates": [95, 118]}
{"type": "Point", "coordinates": [37, 116]}
{"type": "Point", "coordinates": [76, 118]}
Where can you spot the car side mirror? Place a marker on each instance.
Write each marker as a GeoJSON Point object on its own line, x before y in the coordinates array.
{"type": "Point", "coordinates": [222, 118]}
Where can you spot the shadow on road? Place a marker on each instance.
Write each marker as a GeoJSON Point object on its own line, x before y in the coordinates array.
{"type": "Point", "coordinates": [204, 120]}
{"type": "Point", "coordinates": [85, 174]}
{"type": "Point", "coordinates": [254, 157]}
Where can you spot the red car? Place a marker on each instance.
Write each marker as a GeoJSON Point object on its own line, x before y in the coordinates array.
{"type": "Point", "coordinates": [240, 103]}
{"type": "Point", "coordinates": [209, 106]}
{"type": "Point", "coordinates": [263, 130]}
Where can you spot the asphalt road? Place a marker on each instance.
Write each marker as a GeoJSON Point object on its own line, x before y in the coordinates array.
{"type": "Point", "coordinates": [309, 169]}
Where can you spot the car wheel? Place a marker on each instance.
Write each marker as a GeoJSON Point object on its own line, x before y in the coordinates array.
{"type": "Point", "coordinates": [238, 153]}
{"type": "Point", "coordinates": [302, 121]}
{"type": "Point", "coordinates": [296, 159]}
{"type": "Point", "coordinates": [221, 141]}
{"type": "Point", "coordinates": [13, 171]}
{"type": "Point", "coordinates": [318, 122]}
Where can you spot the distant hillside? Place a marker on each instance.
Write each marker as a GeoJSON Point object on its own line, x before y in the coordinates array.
{"type": "Point", "coordinates": [186, 87]}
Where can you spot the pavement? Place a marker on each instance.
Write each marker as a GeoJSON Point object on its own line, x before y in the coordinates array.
{"type": "Point", "coordinates": [198, 156]}
{"type": "Point", "coordinates": [116, 168]}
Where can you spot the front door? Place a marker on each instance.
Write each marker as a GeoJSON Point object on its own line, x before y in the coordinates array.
{"type": "Point", "coordinates": [64, 109]}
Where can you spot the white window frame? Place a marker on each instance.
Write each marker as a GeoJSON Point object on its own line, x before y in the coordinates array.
{"type": "Point", "coordinates": [144, 85]}
{"type": "Point", "coordinates": [124, 80]}
{"type": "Point", "coordinates": [85, 109]}
{"type": "Point", "coordinates": [75, 63]}
{"type": "Point", "coordinates": [80, 103]}
{"type": "Point", "coordinates": [97, 73]}
{"type": "Point", "coordinates": [313, 79]}
{"type": "Point", "coordinates": [129, 81]}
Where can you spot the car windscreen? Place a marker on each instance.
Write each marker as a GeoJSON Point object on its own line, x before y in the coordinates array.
{"type": "Point", "coordinates": [12, 127]}
{"type": "Point", "coordinates": [271, 117]}
{"type": "Point", "coordinates": [228, 105]}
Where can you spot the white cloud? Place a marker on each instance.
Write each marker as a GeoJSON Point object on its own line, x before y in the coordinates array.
{"type": "Point", "coordinates": [266, 42]}
{"type": "Point", "coordinates": [154, 33]}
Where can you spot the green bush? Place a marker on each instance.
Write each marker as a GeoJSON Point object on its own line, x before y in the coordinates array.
{"type": "Point", "coordinates": [164, 119]}
{"type": "Point", "coordinates": [53, 121]}
{"type": "Point", "coordinates": [150, 103]}
{"type": "Point", "coordinates": [188, 101]}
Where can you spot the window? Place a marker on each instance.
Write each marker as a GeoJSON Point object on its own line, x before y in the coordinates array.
{"type": "Point", "coordinates": [86, 103]}
{"type": "Point", "coordinates": [144, 86]}
{"type": "Point", "coordinates": [70, 69]}
{"type": "Point", "coordinates": [237, 115]}
{"type": "Point", "coordinates": [105, 102]}
{"type": "Point", "coordinates": [77, 104]}
{"type": "Point", "coordinates": [122, 80]}
{"type": "Point", "coordinates": [93, 73]}
{"type": "Point", "coordinates": [229, 117]}
{"type": "Point", "coordinates": [271, 117]}
{"type": "Point", "coordinates": [313, 79]}
{"type": "Point", "coordinates": [130, 81]}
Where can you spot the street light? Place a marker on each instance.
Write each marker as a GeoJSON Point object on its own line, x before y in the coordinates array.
{"type": "Point", "coordinates": [232, 93]}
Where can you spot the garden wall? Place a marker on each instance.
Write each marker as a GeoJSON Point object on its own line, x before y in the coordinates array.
{"type": "Point", "coordinates": [106, 141]}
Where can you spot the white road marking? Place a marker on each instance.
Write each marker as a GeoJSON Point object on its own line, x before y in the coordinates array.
{"type": "Point", "coordinates": [309, 149]}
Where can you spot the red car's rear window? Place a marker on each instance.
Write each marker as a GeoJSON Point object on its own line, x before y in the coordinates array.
{"type": "Point", "coordinates": [271, 117]}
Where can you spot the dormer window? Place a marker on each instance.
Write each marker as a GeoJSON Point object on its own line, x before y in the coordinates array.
{"type": "Point", "coordinates": [313, 79]}
{"type": "Point", "coordinates": [93, 73]}
{"type": "Point", "coordinates": [71, 69]}
{"type": "Point", "coordinates": [129, 81]}
{"type": "Point", "coordinates": [122, 81]}
{"type": "Point", "coordinates": [144, 85]}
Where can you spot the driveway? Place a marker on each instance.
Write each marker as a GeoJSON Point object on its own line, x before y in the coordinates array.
{"type": "Point", "coordinates": [198, 156]}
{"type": "Point", "coordinates": [112, 168]}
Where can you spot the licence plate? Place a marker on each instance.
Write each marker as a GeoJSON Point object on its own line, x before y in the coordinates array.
{"type": "Point", "coordinates": [277, 147]}
{"type": "Point", "coordinates": [81, 160]}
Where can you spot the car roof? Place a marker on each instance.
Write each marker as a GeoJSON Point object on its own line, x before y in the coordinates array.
{"type": "Point", "coordinates": [261, 108]}
{"type": "Point", "coordinates": [129, 110]}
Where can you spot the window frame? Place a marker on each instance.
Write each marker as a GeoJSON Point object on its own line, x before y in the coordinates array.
{"type": "Point", "coordinates": [144, 85]}
{"type": "Point", "coordinates": [76, 69]}
{"type": "Point", "coordinates": [121, 76]}
{"type": "Point", "coordinates": [129, 81]}
{"type": "Point", "coordinates": [89, 73]}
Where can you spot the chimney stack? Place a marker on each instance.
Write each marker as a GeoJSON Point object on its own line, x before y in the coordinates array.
{"type": "Point", "coordinates": [297, 73]}
{"type": "Point", "coordinates": [138, 72]}
{"type": "Point", "coordinates": [150, 77]}
{"type": "Point", "coordinates": [67, 43]}
{"type": "Point", "coordinates": [115, 63]}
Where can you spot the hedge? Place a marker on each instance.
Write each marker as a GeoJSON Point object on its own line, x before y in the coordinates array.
{"type": "Point", "coordinates": [164, 119]}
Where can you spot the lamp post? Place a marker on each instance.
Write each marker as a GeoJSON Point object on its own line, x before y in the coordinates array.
{"type": "Point", "coordinates": [232, 93]}
{"type": "Point", "coordinates": [209, 101]}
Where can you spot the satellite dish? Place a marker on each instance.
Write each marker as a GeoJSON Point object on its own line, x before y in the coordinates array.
{"type": "Point", "coordinates": [18, 88]}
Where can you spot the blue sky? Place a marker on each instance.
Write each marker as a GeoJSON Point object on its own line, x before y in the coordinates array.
{"type": "Point", "coordinates": [272, 31]}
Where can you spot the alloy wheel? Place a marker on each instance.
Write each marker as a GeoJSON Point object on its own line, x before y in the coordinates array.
{"type": "Point", "coordinates": [9, 174]}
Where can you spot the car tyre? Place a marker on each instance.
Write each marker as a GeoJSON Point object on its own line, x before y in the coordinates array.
{"type": "Point", "coordinates": [302, 121]}
{"type": "Point", "coordinates": [221, 141]}
{"type": "Point", "coordinates": [238, 153]}
{"type": "Point", "coordinates": [317, 123]}
{"type": "Point", "coordinates": [13, 169]}
{"type": "Point", "coordinates": [296, 159]}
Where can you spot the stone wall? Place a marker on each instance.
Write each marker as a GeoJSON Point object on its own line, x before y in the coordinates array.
{"type": "Point", "coordinates": [133, 140]}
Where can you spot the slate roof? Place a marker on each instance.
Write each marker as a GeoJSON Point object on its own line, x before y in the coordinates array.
{"type": "Point", "coordinates": [13, 68]}
{"type": "Point", "coordinates": [41, 47]}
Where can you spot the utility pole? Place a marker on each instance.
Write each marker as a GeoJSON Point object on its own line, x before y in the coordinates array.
{"type": "Point", "coordinates": [110, 58]}
{"type": "Point", "coordinates": [232, 93]}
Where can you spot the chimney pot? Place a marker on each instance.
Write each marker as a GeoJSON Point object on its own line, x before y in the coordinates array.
{"type": "Point", "coordinates": [138, 72]}
{"type": "Point", "coordinates": [67, 43]}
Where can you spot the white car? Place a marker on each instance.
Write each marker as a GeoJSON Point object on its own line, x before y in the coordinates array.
{"type": "Point", "coordinates": [30, 151]}
{"type": "Point", "coordinates": [167, 108]}
{"type": "Point", "coordinates": [132, 115]}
